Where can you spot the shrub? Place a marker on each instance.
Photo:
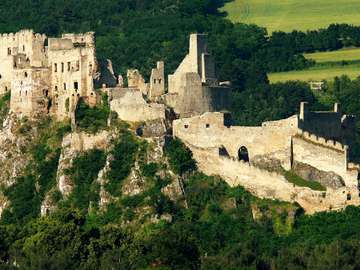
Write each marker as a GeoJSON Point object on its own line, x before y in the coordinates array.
{"type": "Point", "coordinates": [180, 157]}
{"type": "Point", "coordinates": [124, 153]}
{"type": "Point", "coordinates": [84, 172]}
{"type": "Point", "coordinates": [92, 119]}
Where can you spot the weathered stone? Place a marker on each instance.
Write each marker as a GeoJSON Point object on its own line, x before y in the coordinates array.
{"type": "Point", "coordinates": [327, 179]}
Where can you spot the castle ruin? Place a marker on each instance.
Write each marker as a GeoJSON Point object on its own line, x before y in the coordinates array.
{"type": "Point", "coordinates": [49, 76]}
{"type": "Point", "coordinates": [311, 143]}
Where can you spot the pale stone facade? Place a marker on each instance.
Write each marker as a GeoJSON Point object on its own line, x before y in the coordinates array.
{"type": "Point", "coordinates": [193, 88]}
{"type": "Point", "coordinates": [47, 79]}
{"type": "Point", "coordinates": [232, 152]}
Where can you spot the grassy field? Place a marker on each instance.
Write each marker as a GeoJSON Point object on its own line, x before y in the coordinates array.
{"type": "Point", "coordinates": [287, 15]}
{"type": "Point", "coordinates": [317, 73]}
{"type": "Point", "coordinates": [329, 65]}
{"type": "Point", "coordinates": [350, 54]}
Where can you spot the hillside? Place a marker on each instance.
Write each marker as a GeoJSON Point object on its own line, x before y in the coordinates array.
{"type": "Point", "coordinates": [278, 15]}
{"type": "Point", "coordinates": [114, 200]}
{"type": "Point", "coordinates": [95, 192]}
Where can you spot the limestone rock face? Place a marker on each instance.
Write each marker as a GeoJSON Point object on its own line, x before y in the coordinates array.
{"type": "Point", "coordinates": [327, 179]}
{"type": "Point", "coordinates": [72, 145]}
{"type": "Point", "coordinates": [14, 140]}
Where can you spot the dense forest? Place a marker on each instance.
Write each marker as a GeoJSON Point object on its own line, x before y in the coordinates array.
{"type": "Point", "coordinates": [217, 229]}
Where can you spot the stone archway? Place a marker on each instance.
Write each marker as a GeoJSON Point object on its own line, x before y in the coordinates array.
{"type": "Point", "coordinates": [243, 154]}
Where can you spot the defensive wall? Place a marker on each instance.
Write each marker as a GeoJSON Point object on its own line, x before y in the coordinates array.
{"type": "Point", "coordinates": [218, 146]}
{"type": "Point", "coordinates": [130, 106]}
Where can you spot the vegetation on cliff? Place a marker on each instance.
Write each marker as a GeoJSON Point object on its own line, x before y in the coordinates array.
{"type": "Point", "coordinates": [214, 226]}
{"type": "Point", "coordinates": [4, 107]}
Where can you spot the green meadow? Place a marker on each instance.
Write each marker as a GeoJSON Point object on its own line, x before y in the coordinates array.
{"type": "Point", "coordinates": [288, 15]}
{"type": "Point", "coordinates": [350, 54]}
{"type": "Point", "coordinates": [328, 65]}
{"type": "Point", "coordinates": [317, 73]}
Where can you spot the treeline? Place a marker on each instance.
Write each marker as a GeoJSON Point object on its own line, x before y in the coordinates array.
{"type": "Point", "coordinates": [136, 34]}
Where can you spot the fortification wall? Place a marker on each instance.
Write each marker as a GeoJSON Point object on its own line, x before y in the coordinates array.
{"type": "Point", "coordinates": [268, 185]}
{"type": "Point", "coordinates": [325, 155]}
{"type": "Point", "coordinates": [329, 124]}
{"type": "Point", "coordinates": [208, 130]}
{"type": "Point", "coordinates": [136, 81]}
{"type": "Point", "coordinates": [130, 106]}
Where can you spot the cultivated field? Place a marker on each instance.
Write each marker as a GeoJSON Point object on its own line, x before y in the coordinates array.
{"type": "Point", "coordinates": [351, 54]}
{"type": "Point", "coordinates": [317, 73]}
{"type": "Point", "coordinates": [329, 65]}
{"type": "Point", "coordinates": [287, 15]}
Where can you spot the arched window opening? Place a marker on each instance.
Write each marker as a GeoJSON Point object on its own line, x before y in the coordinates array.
{"type": "Point", "coordinates": [243, 154]}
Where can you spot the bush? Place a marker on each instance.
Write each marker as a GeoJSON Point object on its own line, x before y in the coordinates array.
{"type": "Point", "coordinates": [4, 107]}
{"type": "Point", "coordinates": [180, 157]}
{"type": "Point", "coordinates": [94, 119]}
{"type": "Point", "coordinates": [84, 172]}
{"type": "Point", "coordinates": [123, 154]}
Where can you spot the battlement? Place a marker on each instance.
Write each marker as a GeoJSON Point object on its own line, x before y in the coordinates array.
{"type": "Point", "coordinates": [26, 34]}
{"type": "Point", "coordinates": [322, 141]}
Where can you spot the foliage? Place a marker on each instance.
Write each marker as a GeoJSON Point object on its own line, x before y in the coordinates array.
{"type": "Point", "coordinates": [123, 158]}
{"type": "Point", "coordinates": [39, 177]}
{"type": "Point", "coordinates": [93, 119]}
{"type": "Point", "coordinates": [84, 172]}
{"type": "Point", "coordinates": [4, 107]}
{"type": "Point", "coordinates": [180, 157]}
{"type": "Point", "coordinates": [264, 103]}
{"type": "Point", "coordinates": [298, 181]}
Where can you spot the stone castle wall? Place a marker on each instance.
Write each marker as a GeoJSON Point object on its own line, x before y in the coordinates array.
{"type": "Point", "coordinates": [216, 145]}
{"type": "Point", "coordinates": [130, 106]}
{"type": "Point", "coordinates": [332, 125]}
{"type": "Point", "coordinates": [63, 70]}
{"type": "Point", "coordinates": [193, 88]}
{"type": "Point", "coordinates": [29, 91]}
{"type": "Point", "coordinates": [272, 185]}
{"type": "Point", "coordinates": [209, 130]}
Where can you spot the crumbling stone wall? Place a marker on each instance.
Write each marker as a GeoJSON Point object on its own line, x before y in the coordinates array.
{"type": "Point", "coordinates": [130, 106]}
{"type": "Point", "coordinates": [157, 81]}
{"type": "Point", "coordinates": [73, 64]}
{"type": "Point", "coordinates": [210, 130]}
{"type": "Point", "coordinates": [30, 91]}
{"type": "Point", "coordinates": [24, 42]}
{"type": "Point", "coordinates": [193, 89]}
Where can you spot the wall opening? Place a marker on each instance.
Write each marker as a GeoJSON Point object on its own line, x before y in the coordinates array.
{"type": "Point", "coordinates": [76, 85]}
{"type": "Point", "coordinates": [243, 154]}
{"type": "Point", "coordinates": [223, 152]}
